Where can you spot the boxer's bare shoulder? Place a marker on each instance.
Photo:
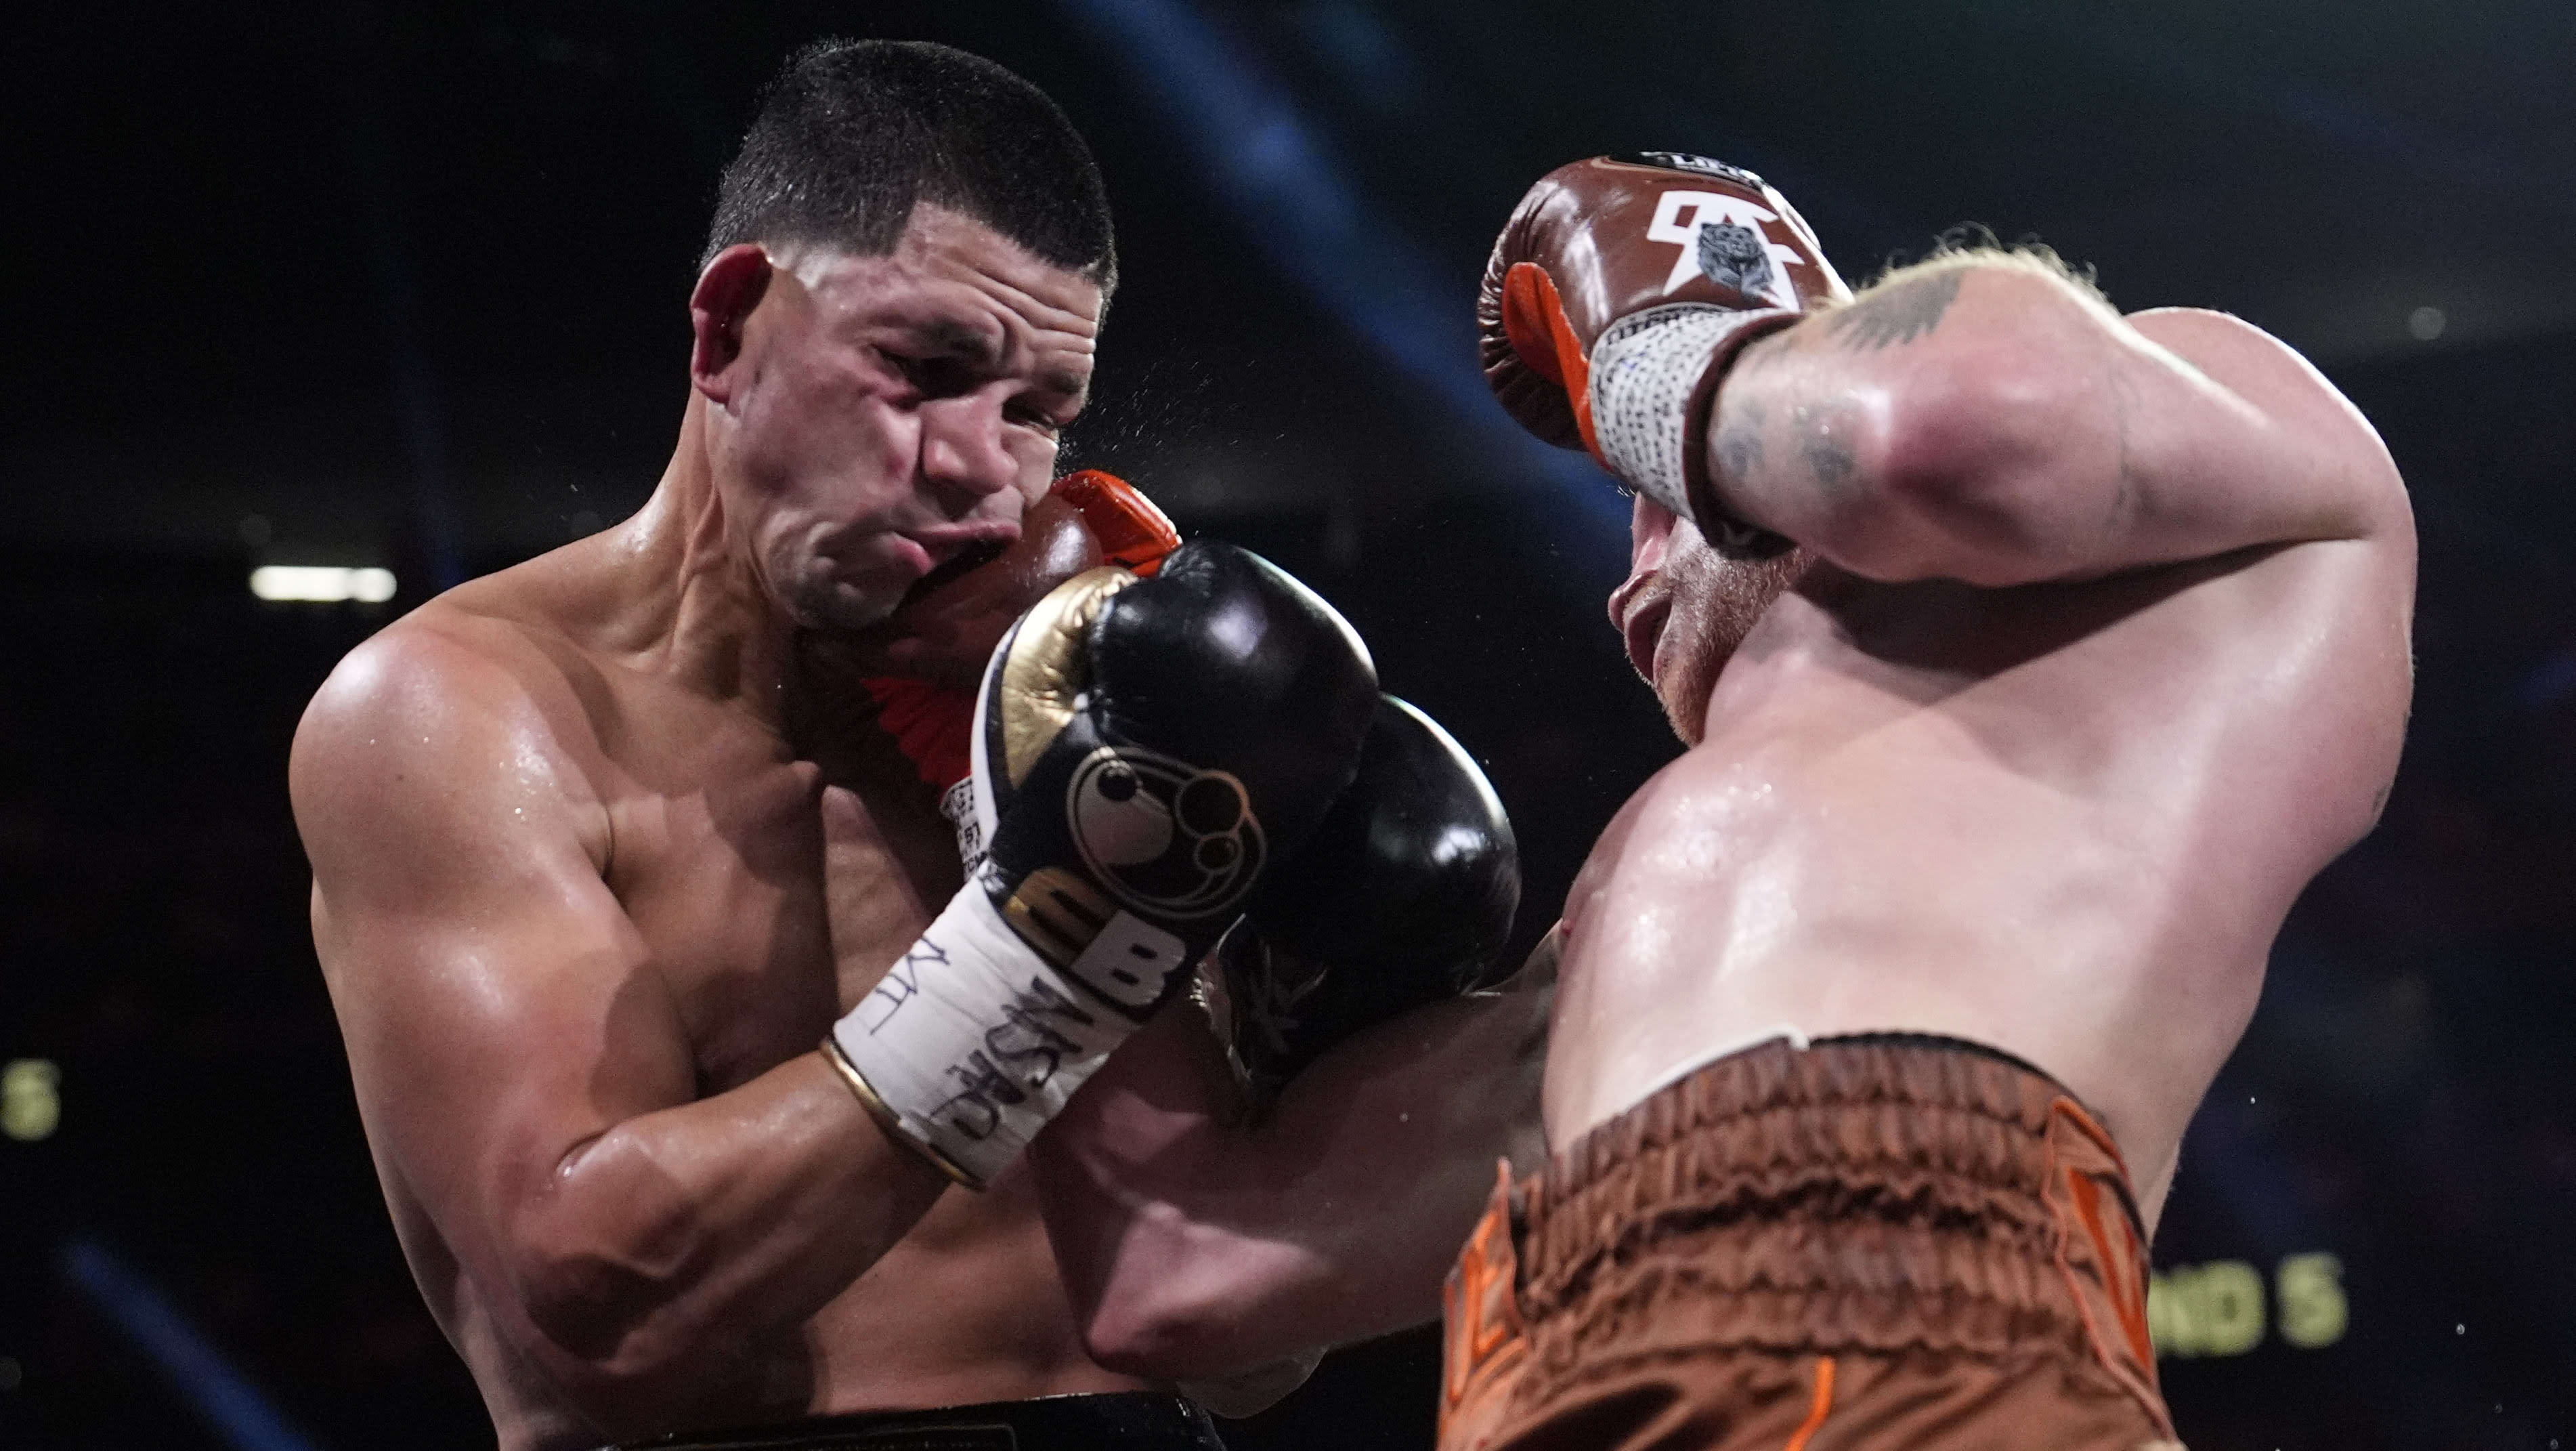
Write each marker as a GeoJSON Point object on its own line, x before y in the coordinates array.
{"type": "Point", "coordinates": [496, 657]}
{"type": "Point", "coordinates": [468, 734]}
{"type": "Point", "coordinates": [434, 722]}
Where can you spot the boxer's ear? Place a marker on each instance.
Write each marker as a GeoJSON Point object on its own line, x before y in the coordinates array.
{"type": "Point", "coordinates": [731, 286]}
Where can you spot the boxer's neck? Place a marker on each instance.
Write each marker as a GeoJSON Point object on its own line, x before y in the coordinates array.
{"type": "Point", "coordinates": [693, 609]}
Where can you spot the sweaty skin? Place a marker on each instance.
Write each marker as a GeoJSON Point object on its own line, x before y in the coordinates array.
{"type": "Point", "coordinates": [599, 856]}
{"type": "Point", "coordinates": [2094, 652]}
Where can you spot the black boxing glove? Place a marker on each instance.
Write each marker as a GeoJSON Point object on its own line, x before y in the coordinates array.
{"type": "Point", "coordinates": [1617, 294]}
{"type": "Point", "coordinates": [1143, 750]}
{"type": "Point", "coordinates": [1403, 896]}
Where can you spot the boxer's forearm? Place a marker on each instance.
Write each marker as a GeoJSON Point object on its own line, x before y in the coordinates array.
{"type": "Point", "coordinates": [1993, 424]}
{"type": "Point", "coordinates": [1197, 1244]}
{"type": "Point", "coordinates": [688, 1236]}
{"type": "Point", "coordinates": [1898, 436]}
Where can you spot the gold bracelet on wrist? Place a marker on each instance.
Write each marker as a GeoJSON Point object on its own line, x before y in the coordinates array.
{"type": "Point", "coordinates": [888, 1121]}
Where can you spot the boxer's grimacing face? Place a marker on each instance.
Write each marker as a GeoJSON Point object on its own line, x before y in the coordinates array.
{"type": "Point", "coordinates": [1684, 608]}
{"type": "Point", "coordinates": [871, 418]}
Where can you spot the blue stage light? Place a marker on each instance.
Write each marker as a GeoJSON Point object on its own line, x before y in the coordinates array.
{"type": "Point", "coordinates": [1262, 159]}
{"type": "Point", "coordinates": [210, 1384]}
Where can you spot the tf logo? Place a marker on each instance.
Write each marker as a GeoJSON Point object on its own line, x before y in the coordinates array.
{"type": "Point", "coordinates": [1721, 238]}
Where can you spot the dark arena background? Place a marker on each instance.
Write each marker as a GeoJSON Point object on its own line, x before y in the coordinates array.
{"type": "Point", "coordinates": [397, 292]}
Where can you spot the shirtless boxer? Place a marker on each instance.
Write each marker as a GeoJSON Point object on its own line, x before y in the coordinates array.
{"type": "Point", "coordinates": [2030, 659]}
{"type": "Point", "coordinates": [606, 844]}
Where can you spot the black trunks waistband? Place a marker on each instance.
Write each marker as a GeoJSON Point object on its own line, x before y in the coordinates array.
{"type": "Point", "coordinates": [1126, 1421]}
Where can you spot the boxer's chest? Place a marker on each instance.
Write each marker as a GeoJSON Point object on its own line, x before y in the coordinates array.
{"type": "Point", "coordinates": [768, 898]}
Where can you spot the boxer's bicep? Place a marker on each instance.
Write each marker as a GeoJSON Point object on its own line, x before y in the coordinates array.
{"type": "Point", "coordinates": [1949, 422]}
{"type": "Point", "coordinates": [490, 988]}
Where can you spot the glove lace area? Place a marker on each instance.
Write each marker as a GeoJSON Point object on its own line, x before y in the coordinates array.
{"type": "Point", "coordinates": [1647, 368]}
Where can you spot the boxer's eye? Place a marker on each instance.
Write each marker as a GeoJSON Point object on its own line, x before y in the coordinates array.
{"type": "Point", "coordinates": [1030, 415]}
{"type": "Point", "coordinates": [936, 376]}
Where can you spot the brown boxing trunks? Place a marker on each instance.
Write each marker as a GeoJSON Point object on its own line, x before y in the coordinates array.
{"type": "Point", "coordinates": [1125, 1421]}
{"type": "Point", "coordinates": [1881, 1241]}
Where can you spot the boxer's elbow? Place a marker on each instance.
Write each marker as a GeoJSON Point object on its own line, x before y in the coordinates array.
{"type": "Point", "coordinates": [602, 1309]}
{"type": "Point", "coordinates": [1142, 1341]}
{"type": "Point", "coordinates": [1181, 1345]}
{"type": "Point", "coordinates": [616, 1308]}
{"type": "Point", "coordinates": [1149, 1325]}
{"type": "Point", "coordinates": [1176, 1307]}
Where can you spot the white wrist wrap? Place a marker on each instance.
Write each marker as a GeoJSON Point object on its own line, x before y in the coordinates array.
{"type": "Point", "coordinates": [1645, 367]}
{"type": "Point", "coordinates": [973, 1041]}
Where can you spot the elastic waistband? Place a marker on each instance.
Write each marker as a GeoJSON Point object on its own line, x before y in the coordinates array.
{"type": "Point", "coordinates": [1946, 1043]}
{"type": "Point", "coordinates": [1832, 1191]}
{"type": "Point", "coordinates": [1928, 1076]}
{"type": "Point", "coordinates": [1125, 1420]}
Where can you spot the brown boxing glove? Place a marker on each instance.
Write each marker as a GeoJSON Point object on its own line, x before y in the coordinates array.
{"type": "Point", "coordinates": [920, 668]}
{"type": "Point", "coordinates": [1673, 262]}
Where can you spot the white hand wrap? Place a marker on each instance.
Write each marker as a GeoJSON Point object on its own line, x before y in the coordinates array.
{"type": "Point", "coordinates": [1645, 368]}
{"type": "Point", "coordinates": [973, 1041]}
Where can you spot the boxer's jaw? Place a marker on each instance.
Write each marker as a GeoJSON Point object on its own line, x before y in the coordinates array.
{"type": "Point", "coordinates": [1685, 608]}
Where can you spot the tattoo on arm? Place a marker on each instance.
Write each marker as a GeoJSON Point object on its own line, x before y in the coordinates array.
{"type": "Point", "coordinates": [1739, 439]}
{"type": "Point", "coordinates": [1897, 314]}
{"type": "Point", "coordinates": [1825, 443]}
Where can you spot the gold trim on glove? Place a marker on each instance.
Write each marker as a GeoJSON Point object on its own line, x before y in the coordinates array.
{"type": "Point", "coordinates": [1048, 667]}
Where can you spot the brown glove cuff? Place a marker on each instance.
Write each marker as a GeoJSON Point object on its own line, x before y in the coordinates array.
{"type": "Point", "coordinates": [1654, 380]}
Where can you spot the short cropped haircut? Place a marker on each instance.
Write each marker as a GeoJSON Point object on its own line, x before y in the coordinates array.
{"type": "Point", "coordinates": [850, 135]}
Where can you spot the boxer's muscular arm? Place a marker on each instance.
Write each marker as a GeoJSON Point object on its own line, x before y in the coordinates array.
{"type": "Point", "coordinates": [523, 1073]}
{"type": "Point", "coordinates": [1990, 423]}
{"type": "Point", "coordinates": [1197, 1241]}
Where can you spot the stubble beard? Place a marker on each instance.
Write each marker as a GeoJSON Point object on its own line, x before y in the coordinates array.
{"type": "Point", "coordinates": [819, 603]}
{"type": "Point", "coordinates": [1715, 604]}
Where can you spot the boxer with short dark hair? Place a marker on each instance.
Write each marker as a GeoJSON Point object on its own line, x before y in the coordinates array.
{"type": "Point", "coordinates": [698, 1051]}
{"type": "Point", "coordinates": [2031, 659]}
